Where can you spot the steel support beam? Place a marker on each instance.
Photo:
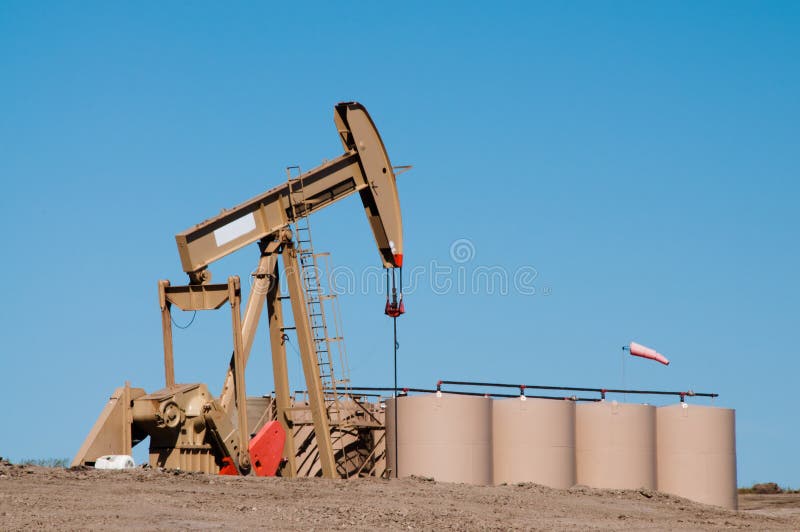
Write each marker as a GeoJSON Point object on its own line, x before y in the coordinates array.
{"type": "Point", "coordinates": [234, 296]}
{"type": "Point", "coordinates": [166, 328]}
{"type": "Point", "coordinates": [308, 356]}
{"type": "Point", "coordinates": [262, 282]}
{"type": "Point", "coordinates": [280, 374]}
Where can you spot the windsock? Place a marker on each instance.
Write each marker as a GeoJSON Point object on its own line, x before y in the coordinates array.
{"type": "Point", "coordinates": [645, 352]}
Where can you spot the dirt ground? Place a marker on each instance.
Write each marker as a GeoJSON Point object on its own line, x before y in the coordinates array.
{"type": "Point", "coordinates": [34, 498]}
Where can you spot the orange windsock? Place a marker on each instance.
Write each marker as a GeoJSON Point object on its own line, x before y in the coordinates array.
{"type": "Point", "coordinates": [645, 352]}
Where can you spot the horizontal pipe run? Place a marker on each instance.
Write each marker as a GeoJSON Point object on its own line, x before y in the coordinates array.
{"type": "Point", "coordinates": [602, 391]}
{"type": "Point", "coordinates": [456, 392]}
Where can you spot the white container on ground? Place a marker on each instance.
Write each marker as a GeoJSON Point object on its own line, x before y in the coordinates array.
{"type": "Point", "coordinates": [115, 461]}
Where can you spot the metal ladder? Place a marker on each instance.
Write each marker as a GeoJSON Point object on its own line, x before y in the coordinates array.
{"type": "Point", "coordinates": [319, 293]}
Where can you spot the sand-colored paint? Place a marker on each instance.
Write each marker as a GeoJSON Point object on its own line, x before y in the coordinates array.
{"type": "Point", "coordinates": [697, 453]}
{"type": "Point", "coordinates": [615, 445]}
{"type": "Point", "coordinates": [448, 438]}
{"type": "Point", "coordinates": [534, 441]}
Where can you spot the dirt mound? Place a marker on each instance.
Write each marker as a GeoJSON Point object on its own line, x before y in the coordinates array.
{"type": "Point", "coordinates": [766, 487]}
{"type": "Point", "coordinates": [35, 497]}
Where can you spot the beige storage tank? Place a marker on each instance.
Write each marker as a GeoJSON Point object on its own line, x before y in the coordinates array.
{"type": "Point", "coordinates": [533, 440]}
{"type": "Point", "coordinates": [615, 445]}
{"type": "Point", "coordinates": [448, 438]}
{"type": "Point", "coordinates": [697, 453]}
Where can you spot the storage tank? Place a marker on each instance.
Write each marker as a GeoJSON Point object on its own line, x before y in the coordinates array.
{"type": "Point", "coordinates": [697, 453]}
{"type": "Point", "coordinates": [615, 445]}
{"type": "Point", "coordinates": [448, 438]}
{"type": "Point", "coordinates": [533, 440]}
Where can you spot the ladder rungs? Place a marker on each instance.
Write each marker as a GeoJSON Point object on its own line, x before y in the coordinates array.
{"type": "Point", "coordinates": [312, 286]}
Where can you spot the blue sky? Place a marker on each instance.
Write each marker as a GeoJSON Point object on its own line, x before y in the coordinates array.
{"type": "Point", "coordinates": [642, 157]}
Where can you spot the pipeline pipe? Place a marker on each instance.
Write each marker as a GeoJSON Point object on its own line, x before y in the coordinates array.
{"type": "Point", "coordinates": [602, 391]}
{"type": "Point", "coordinates": [457, 392]}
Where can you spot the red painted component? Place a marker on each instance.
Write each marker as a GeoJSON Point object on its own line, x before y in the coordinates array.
{"type": "Point", "coordinates": [394, 310]}
{"type": "Point", "coordinates": [228, 468]}
{"type": "Point", "coordinates": [266, 449]}
{"type": "Point", "coordinates": [398, 259]}
{"type": "Point", "coordinates": [645, 352]}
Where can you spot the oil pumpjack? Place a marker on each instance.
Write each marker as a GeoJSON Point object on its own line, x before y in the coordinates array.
{"type": "Point", "coordinates": [332, 433]}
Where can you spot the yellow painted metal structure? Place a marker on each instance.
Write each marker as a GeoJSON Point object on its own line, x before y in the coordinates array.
{"type": "Point", "coordinates": [184, 421]}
